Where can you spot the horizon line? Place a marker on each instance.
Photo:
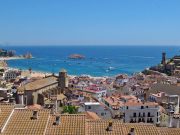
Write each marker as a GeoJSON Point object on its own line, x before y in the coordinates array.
{"type": "Point", "coordinates": [86, 45]}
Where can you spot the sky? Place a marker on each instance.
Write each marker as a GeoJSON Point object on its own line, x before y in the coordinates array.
{"type": "Point", "coordinates": [90, 22]}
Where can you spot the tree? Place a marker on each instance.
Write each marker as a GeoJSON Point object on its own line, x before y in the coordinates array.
{"type": "Point", "coordinates": [70, 109]}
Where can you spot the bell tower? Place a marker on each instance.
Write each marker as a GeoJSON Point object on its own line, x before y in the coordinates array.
{"type": "Point", "coordinates": [63, 80]}
{"type": "Point", "coordinates": [163, 61]}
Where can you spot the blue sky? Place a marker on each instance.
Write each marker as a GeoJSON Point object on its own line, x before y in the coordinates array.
{"type": "Point", "coordinates": [90, 22]}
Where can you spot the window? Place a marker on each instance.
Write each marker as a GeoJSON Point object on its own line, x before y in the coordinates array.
{"type": "Point", "coordinates": [127, 107]}
{"type": "Point", "coordinates": [157, 113]}
{"type": "Point", "coordinates": [157, 120]}
{"type": "Point", "coordinates": [102, 114]}
{"type": "Point", "coordinates": [134, 114]}
{"type": "Point", "coordinates": [142, 107]}
{"type": "Point", "coordinates": [146, 106]}
{"type": "Point", "coordinates": [148, 114]}
{"type": "Point", "coordinates": [143, 120]}
{"type": "Point", "coordinates": [143, 114]}
{"type": "Point", "coordinates": [89, 107]}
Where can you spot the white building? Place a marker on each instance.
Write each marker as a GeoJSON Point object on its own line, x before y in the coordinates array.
{"type": "Point", "coordinates": [135, 112]}
{"type": "Point", "coordinates": [167, 101]}
{"type": "Point", "coordinates": [10, 74]}
{"type": "Point", "coordinates": [174, 121]}
{"type": "Point", "coordinates": [97, 108]}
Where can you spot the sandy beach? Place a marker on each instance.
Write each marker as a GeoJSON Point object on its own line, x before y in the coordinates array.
{"type": "Point", "coordinates": [39, 74]}
{"type": "Point", "coordinates": [11, 58]}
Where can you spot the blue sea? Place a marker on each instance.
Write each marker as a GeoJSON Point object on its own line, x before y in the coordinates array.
{"type": "Point", "coordinates": [99, 61]}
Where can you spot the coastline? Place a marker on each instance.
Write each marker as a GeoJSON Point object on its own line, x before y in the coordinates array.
{"type": "Point", "coordinates": [11, 58]}
{"type": "Point", "coordinates": [40, 73]}
{"type": "Point", "coordinates": [97, 63]}
{"type": "Point", "coordinates": [34, 73]}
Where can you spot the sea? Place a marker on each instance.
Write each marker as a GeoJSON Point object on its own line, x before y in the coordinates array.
{"type": "Point", "coordinates": [99, 60]}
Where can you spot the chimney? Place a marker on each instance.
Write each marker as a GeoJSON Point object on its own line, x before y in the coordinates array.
{"type": "Point", "coordinates": [52, 111]}
{"type": "Point", "coordinates": [132, 132]}
{"type": "Point", "coordinates": [109, 128]}
{"type": "Point", "coordinates": [35, 115]}
{"type": "Point", "coordinates": [57, 122]}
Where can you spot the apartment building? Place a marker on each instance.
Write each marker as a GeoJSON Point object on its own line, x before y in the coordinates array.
{"type": "Point", "coordinates": [97, 108]}
{"type": "Point", "coordinates": [146, 112]}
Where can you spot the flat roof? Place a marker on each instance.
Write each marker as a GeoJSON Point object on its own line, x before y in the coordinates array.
{"type": "Point", "coordinates": [92, 103]}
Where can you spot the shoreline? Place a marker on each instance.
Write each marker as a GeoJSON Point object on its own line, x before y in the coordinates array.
{"type": "Point", "coordinates": [11, 58]}
{"type": "Point", "coordinates": [34, 73]}
{"type": "Point", "coordinates": [38, 73]}
{"type": "Point", "coordinates": [72, 75]}
{"type": "Point", "coordinates": [14, 58]}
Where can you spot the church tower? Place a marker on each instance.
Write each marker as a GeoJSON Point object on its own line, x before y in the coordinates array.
{"type": "Point", "coordinates": [163, 58]}
{"type": "Point", "coordinates": [63, 80]}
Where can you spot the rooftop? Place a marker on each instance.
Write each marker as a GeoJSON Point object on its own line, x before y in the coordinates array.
{"type": "Point", "coordinates": [73, 124]}
{"type": "Point", "coordinates": [99, 127]}
{"type": "Point", "coordinates": [38, 84]}
{"type": "Point", "coordinates": [141, 104]}
{"type": "Point", "coordinates": [5, 110]}
{"type": "Point", "coordinates": [169, 131]}
{"type": "Point", "coordinates": [142, 129]}
{"type": "Point", "coordinates": [92, 115]}
{"type": "Point", "coordinates": [168, 89]}
{"type": "Point", "coordinates": [92, 103]}
{"type": "Point", "coordinates": [22, 124]}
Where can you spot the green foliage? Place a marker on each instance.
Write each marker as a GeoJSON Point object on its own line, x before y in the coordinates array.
{"type": "Point", "coordinates": [146, 72]}
{"type": "Point", "coordinates": [70, 109]}
{"type": "Point", "coordinates": [168, 73]}
{"type": "Point", "coordinates": [1, 70]}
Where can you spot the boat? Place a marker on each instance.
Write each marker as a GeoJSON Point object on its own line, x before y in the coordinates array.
{"type": "Point", "coordinates": [111, 68]}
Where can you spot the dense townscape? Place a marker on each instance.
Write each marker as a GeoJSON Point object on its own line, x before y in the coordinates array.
{"type": "Point", "coordinates": [145, 103]}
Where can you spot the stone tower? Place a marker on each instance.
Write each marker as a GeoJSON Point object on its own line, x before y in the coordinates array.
{"type": "Point", "coordinates": [163, 58]}
{"type": "Point", "coordinates": [63, 80]}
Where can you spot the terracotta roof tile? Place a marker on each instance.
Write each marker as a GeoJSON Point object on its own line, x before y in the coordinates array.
{"type": "Point", "coordinates": [141, 104]}
{"type": "Point", "coordinates": [99, 127]}
{"type": "Point", "coordinates": [92, 115]}
{"type": "Point", "coordinates": [73, 124]}
{"type": "Point", "coordinates": [142, 128]}
{"type": "Point", "coordinates": [169, 131]}
{"type": "Point", "coordinates": [22, 124]}
{"type": "Point", "coordinates": [35, 85]}
{"type": "Point", "coordinates": [5, 110]}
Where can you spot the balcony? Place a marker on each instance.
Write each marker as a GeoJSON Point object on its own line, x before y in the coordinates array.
{"type": "Point", "coordinates": [150, 121]}
{"type": "Point", "coordinates": [150, 116]}
{"type": "Point", "coordinates": [133, 116]}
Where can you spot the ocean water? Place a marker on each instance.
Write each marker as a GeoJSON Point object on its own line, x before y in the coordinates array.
{"type": "Point", "coordinates": [99, 61]}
